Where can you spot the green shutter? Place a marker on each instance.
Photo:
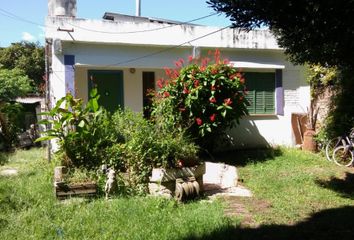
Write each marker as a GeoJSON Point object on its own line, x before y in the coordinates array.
{"type": "Point", "coordinates": [261, 87]}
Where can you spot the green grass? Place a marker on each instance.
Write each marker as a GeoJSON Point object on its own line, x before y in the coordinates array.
{"type": "Point", "coordinates": [297, 184]}
{"type": "Point", "coordinates": [29, 210]}
{"type": "Point", "coordinates": [306, 197]}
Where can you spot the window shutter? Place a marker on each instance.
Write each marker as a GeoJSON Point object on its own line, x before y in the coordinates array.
{"type": "Point", "coordinates": [261, 92]}
{"type": "Point", "coordinates": [69, 63]}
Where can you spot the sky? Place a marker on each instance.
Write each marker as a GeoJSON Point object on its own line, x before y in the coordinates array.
{"type": "Point", "coordinates": [24, 19]}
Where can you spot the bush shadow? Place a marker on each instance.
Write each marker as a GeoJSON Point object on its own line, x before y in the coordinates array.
{"type": "Point", "coordinates": [328, 224]}
{"type": "Point", "coordinates": [344, 186]}
{"type": "Point", "coordinates": [243, 157]}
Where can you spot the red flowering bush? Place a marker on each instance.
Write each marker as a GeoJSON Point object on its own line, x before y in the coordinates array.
{"type": "Point", "coordinates": [206, 95]}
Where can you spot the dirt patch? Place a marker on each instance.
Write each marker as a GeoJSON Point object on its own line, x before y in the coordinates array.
{"type": "Point", "coordinates": [244, 208]}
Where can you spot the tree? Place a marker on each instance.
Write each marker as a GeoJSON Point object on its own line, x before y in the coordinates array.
{"type": "Point", "coordinates": [13, 83]}
{"type": "Point", "coordinates": [27, 56]}
{"type": "Point", "coordinates": [310, 31]}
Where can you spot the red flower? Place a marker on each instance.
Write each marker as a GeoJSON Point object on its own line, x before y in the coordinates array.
{"type": "Point", "coordinates": [196, 83]}
{"type": "Point", "coordinates": [199, 121]}
{"type": "Point", "coordinates": [178, 64]}
{"type": "Point", "coordinates": [242, 80]}
{"type": "Point", "coordinates": [226, 61]}
{"type": "Point", "coordinates": [214, 71]}
{"type": "Point", "coordinates": [213, 88]}
{"type": "Point", "coordinates": [228, 101]}
{"type": "Point", "coordinates": [185, 90]}
{"type": "Point", "coordinates": [217, 56]}
{"type": "Point", "coordinates": [212, 100]}
{"type": "Point", "coordinates": [180, 163]}
{"type": "Point", "coordinates": [168, 71]}
{"type": "Point", "coordinates": [160, 83]}
{"type": "Point", "coordinates": [212, 117]}
{"type": "Point", "coordinates": [166, 94]}
{"type": "Point", "coordinates": [190, 59]}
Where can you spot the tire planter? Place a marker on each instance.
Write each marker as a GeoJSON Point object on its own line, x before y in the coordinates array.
{"type": "Point", "coordinates": [179, 183]}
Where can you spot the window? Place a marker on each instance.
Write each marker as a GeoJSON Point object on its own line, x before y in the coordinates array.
{"type": "Point", "coordinates": [261, 92]}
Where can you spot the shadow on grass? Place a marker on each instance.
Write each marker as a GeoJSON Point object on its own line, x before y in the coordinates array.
{"type": "Point", "coordinates": [242, 157]}
{"type": "Point", "coordinates": [329, 224]}
{"type": "Point", "coordinates": [343, 186]}
{"type": "Point", "coordinates": [3, 158]}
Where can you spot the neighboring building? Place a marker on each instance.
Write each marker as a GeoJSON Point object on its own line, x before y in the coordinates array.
{"type": "Point", "coordinates": [124, 56]}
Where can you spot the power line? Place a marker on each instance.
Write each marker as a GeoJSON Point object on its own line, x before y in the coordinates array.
{"type": "Point", "coordinates": [166, 49]}
{"type": "Point", "coordinates": [162, 50]}
{"type": "Point", "coordinates": [145, 30]}
{"type": "Point", "coordinates": [18, 18]}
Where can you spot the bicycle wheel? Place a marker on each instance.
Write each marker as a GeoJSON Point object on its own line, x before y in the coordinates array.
{"type": "Point", "coordinates": [343, 156]}
{"type": "Point", "coordinates": [330, 146]}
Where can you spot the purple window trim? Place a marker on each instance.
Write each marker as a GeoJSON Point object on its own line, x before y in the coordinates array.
{"type": "Point", "coordinates": [279, 92]}
{"type": "Point", "coordinates": [69, 63]}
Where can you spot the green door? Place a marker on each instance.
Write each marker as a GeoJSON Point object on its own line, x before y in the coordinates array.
{"type": "Point", "coordinates": [109, 86]}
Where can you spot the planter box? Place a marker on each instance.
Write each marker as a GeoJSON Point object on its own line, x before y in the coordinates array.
{"type": "Point", "coordinates": [177, 182]}
{"type": "Point", "coordinates": [86, 189]}
{"type": "Point", "coordinates": [64, 190]}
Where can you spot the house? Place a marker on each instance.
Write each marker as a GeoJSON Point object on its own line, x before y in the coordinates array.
{"type": "Point", "coordinates": [124, 56]}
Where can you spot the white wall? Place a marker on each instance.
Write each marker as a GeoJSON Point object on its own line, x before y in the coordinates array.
{"type": "Point", "coordinates": [152, 33]}
{"type": "Point", "coordinates": [154, 51]}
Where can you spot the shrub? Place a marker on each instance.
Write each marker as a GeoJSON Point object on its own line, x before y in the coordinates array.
{"type": "Point", "coordinates": [83, 131]}
{"type": "Point", "coordinates": [146, 146]}
{"type": "Point", "coordinates": [205, 96]}
{"type": "Point", "coordinates": [11, 118]}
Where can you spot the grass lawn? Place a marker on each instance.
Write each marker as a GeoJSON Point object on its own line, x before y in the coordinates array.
{"type": "Point", "coordinates": [297, 195]}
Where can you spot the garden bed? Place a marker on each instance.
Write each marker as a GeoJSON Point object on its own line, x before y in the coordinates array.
{"type": "Point", "coordinates": [64, 189]}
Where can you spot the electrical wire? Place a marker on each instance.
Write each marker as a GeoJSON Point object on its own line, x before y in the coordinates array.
{"type": "Point", "coordinates": [18, 18]}
{"type": "Point", "coordinates": [162, 50]}
{"type": "Point", "coordinates": [166, 49]}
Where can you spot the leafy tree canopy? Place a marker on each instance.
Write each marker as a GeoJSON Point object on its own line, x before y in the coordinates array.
{"type": "Point", "coordinates": [13, 83]}
{"type": "Point", "coordinates": [27, 56]}
{"type": "Point", "coordinates": [314, 31]}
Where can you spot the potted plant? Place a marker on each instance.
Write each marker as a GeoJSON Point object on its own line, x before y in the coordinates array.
{"type": "Point", "coordinates": [309, 143]}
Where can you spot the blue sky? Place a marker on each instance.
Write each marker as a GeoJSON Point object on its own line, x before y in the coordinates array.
{"type": "Point", "coordinates": [24, 19]}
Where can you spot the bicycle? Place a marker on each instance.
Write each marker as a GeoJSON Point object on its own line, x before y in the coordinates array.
{"type": "Point", "coordinates": [334, 143]}
{"type": "Point", "coordinates": [344, 155]}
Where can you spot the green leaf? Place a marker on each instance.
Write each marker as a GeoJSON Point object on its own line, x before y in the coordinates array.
{"type": "Point", "coordinates": [81, 124]}
{"type": "Point", "coordinates": [93, 92]}
{"type": "Point", "coordinates": [223, 113]}
{"type": "Point", "coordinates": [45, 138]}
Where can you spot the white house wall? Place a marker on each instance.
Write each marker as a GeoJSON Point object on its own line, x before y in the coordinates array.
{"type": "Point", "coordinates": [161, 34]}
{"type": "Point", "coordinates": [152, 51]}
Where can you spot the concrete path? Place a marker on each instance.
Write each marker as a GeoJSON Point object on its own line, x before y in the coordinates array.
{"type": "Point", "coordinates": [222, 179]}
